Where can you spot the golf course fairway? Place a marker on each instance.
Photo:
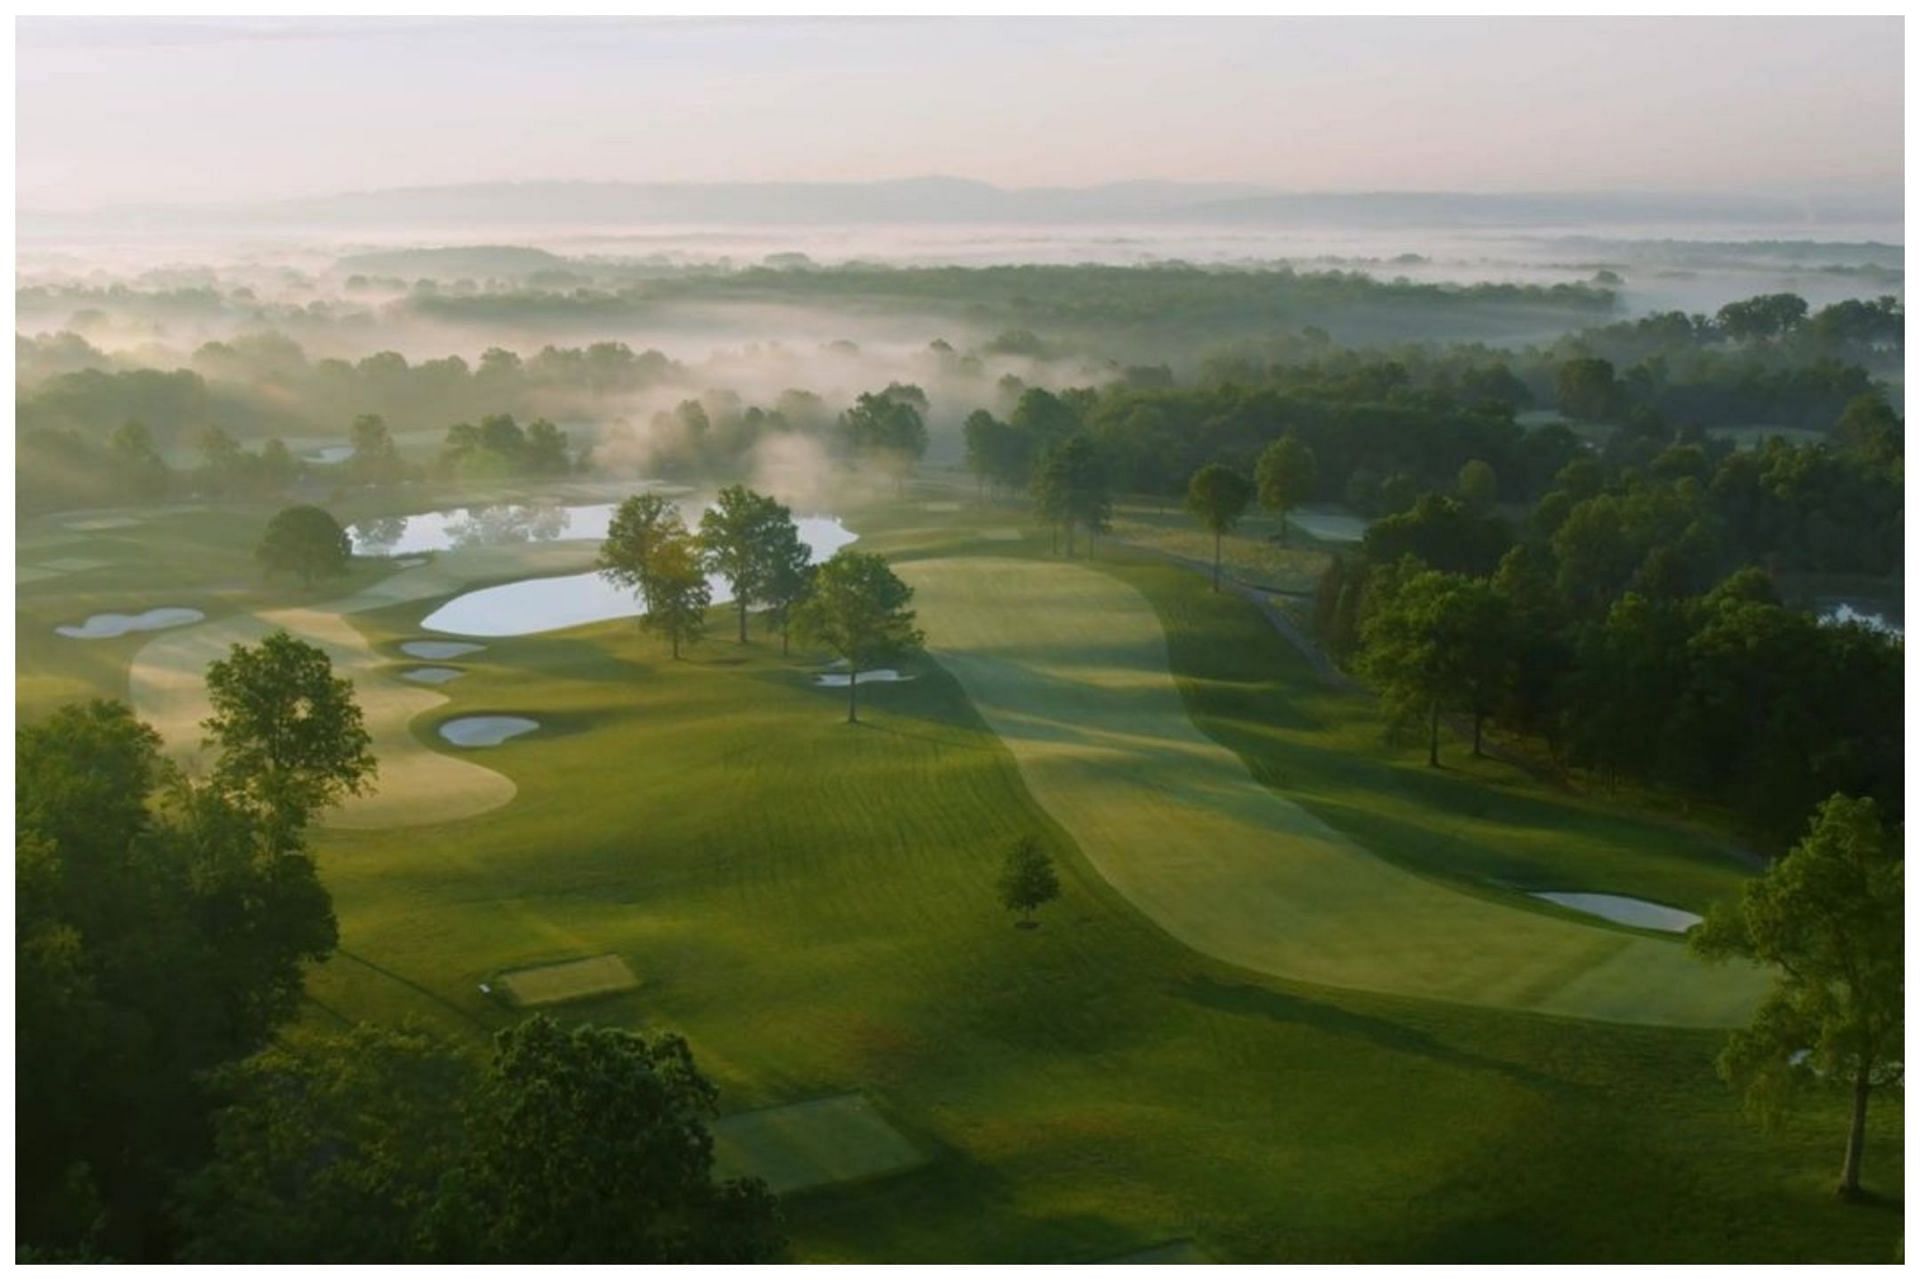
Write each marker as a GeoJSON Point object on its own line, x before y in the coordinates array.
{"type": "Point", "coordinates": [1069, 667]}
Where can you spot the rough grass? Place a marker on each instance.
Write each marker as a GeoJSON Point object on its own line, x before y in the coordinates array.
{"type": "Point", "coordinates": [811, 1144]}
{"type": "Point", "coordinates": [567, 980]}
{"type": "Point", "coordinates": [813, 906]}
{"type": "Point", "coordinates": [1069, 667]}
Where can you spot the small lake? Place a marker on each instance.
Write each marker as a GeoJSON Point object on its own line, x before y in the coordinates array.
{"type": "Point", "coordinates": [333, 453]}
{"type": "Point", "coordinates": [533, 605]}
{"type": "Point", "coordinates": [1622, 910]}
{"type": "Point", "coordinates": [501, 524]}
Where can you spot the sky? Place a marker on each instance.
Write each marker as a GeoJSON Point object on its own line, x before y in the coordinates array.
{"type": "Point", "coordinates": [114, 111]}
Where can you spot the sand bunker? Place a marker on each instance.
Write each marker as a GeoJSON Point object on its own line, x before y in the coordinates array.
{"type": "Point", "coordinates": [841, 679]}
{"type": "Point", "coordinates": [568, 980]}
{"type": "Point", "coordinates": [1633, 911]}
{"type": "Point", "coordinates": [432, 675]}
{"type": "Point", "coordinates": [486, 731]}
{"type": "Point", "coordinates": [439, 650]}
{"type": "Point", "coordinates": [105, 626]}
{"type": "Point", "coordinates": [811, 1144]}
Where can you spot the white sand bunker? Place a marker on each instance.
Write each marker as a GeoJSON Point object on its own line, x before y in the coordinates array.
{"type": "Point", "coordinates": [104, 626]}
{"type": "Point", "coordinates": [1620, 910]}
{"type": "Point", "coordinates": [432, 675]}
{"type": "Point", "coordinates": [841, 679]}
{"type": "Point", "coordinates": [486, 731]}
{"type": "Point", "coordinates": [568, 980]}
{"type": "Point", "coordinates": [439, 650]}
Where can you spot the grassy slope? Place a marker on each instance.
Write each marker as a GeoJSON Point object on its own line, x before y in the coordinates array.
{"type": "Point", "coordinates": [812, 905]}
{"type": "Point", "coordinates": [1069, 666]}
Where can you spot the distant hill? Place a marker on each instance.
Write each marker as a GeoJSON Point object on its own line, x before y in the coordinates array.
{"type": "Point", "coordinates": [959, 200]}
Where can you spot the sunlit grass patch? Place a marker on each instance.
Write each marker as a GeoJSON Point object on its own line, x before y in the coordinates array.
{"type": "Point", "coordinates": [569, 980]}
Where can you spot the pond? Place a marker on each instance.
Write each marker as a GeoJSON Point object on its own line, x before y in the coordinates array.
{"type": "Point", "coordinates": [533, 605]}
{"type": "Point", "coordinates": [105, 626]}
{"type": "Point", "coordinates": [329, 455]}
{"type": "Point", "coordinates": [489, 526]}
{"type": "Point", "coordinates": [1622, 910]}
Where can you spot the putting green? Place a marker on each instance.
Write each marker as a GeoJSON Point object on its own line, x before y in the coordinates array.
{"type": "Point", "coordinates": [811, 1144]}
{"type": "Point", "coordinates": [568, 980]}
{"type": "Point", "coordinates": [1069, 667]}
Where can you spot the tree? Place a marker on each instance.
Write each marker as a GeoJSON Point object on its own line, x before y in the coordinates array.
{"type": "Point", "coordinates": [306, 540]}
{"type": "Point", "coordinates": [1286, 475]}
{"type": "Point", "coordinates": [291, 738]}
{"type": "Point", "coordinates": [1587, 389]}
{"type": "Point", "coordinates": [858, 611]}
{"type": "Point", "coordinates": [222, 462]}
{"type": "Point", "coordinates": [1770, 315]}
{"type": "Point", "coordinates": [1828, 920]}
{"type": "Point", "coordinates": [789, 578]}
{"type": "Point", "coordinates": [140, 474]}
{"type": "Point", "coordinates": [590, 1144]}
{"type": "Point", "coordinates": [678, 593]}
{"type": "Point", "coordinates": [1434, 641]}
{"type": "Point", "coordinates": [1070, 490]}
{"type": "Point", "coordinates": [546, 449]}
{"type": "Point", "coordinates": [329, 1149]}
{"type": "Point", "coordinates": [162, 928]}
{"type": "Point", "coordinates": [1027, 879]}
{"type": "Point", "coordinates": [886, 430]}
{"type": "Point", "coordinates": [1218, 496]}
{"type": "Point", "coordinates": [375, 459]}
{"type": "Point", "coordinates": [638, 527]}
{"type": "Point", "coordinates": [1479, 486]}
{"type": "Point", "coordinates": [738, 537]}
{"type": "Point", "coordinates": [1871, 428]}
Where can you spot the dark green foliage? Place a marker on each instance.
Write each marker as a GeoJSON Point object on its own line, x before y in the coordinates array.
{"type": "Point", "coordinates": [290, 735]}
{"type": "Point", "coordinates": [1286, 476]}
{"type": "Point", "coordinates": [1442, 533]}
{"type": "Point", "coordinates": [305, 540]}
{"type": "Point", "coordinates": [580, 1144]}
{"type": "Point", "coordinates": [590, 1144]}
{"type": "Point", "coordinates": [1829, 920]}
{"type": "Point", "coordinates": [1070, 490]}
{"type": "Point", "coordinates": [741, 537]}
{"type": "Point", "coordinates": [1027, 878]}
{"type": "Point", "coordinates": [162, 928]}
{"type": "Point", "coordinates": [857, 610]}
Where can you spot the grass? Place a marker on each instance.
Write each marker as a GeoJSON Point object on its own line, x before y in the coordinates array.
{"type": "Point", "coordinates": [813, 907]}
{"type": "Point", "coordinates": [811, 1144]}
{"type": "Point", "coordinates": [1069, 667]}
{"type": "Point", "coordinates": [1250, 552]}
{"type": "Point", "coordinates": [567, 980]}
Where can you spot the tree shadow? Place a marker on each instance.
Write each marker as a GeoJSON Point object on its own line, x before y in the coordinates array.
{"type": "Point", "coordinates": [1247, 1000]}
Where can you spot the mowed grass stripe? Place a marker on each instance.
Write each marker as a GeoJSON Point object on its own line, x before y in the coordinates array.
{"type": "Point", "coordinates": [1069, 666]}
{"type": "Point", "coordinates": [811, 1144]}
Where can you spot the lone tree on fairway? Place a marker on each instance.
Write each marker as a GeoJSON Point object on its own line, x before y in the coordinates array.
{"type": "Point", "coordinates": [1027, 879]}
{"type": "Point", "coordinates": [858, 611]}
{"type": "Point", "coordinates": [1218, 495]}
{"type": "Point", "coordinates": [739, 536]}
{"type": "Point", "coordinates": [678, 594]}
{"type": "Point", "coordinates": [306, 540]}
{"type": "Point", "coordinates": [1285, 476]}
{"type": "Point", "coordinates": [1828, 919]}
{"type": "Point", "coordinates": [291, 737]}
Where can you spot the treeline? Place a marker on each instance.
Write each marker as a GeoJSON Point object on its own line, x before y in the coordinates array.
{"type": "Point", "coordinates": [1631, 624]}
{"type": "Point", "coordinates": [167, 1109]}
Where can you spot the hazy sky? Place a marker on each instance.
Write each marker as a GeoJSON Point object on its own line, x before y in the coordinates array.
{"type": "Point", "coordinates": [114, 110]}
